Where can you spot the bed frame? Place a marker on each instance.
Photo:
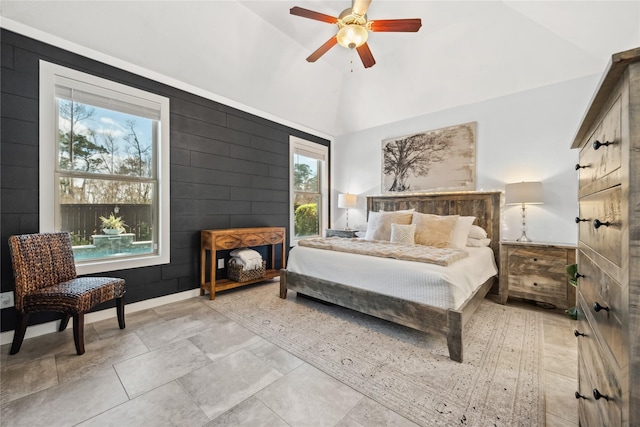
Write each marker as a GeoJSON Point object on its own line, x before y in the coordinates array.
{"type": "Point", "coordinates": [485, 206]}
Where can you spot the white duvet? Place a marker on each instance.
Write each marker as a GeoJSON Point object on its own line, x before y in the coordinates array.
{"type": "Point", "coordinates": [439, 286]}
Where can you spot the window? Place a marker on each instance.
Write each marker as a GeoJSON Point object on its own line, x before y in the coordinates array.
{"type": "Point", "coordinates": [104, 169]}
{"type": "Point", "coordinates": [309, 189]}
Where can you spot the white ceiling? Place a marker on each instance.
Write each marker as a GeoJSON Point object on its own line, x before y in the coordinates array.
{"type": "Point", "coordinates": [253, 52]}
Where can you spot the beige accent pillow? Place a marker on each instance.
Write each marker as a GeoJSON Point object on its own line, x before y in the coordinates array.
{"type": "Point", "coordinates": [401, 233]}
{"type": "Point", "coordinates": [434, 230]}
{"type": "Point", "coordinates": [383, 229]}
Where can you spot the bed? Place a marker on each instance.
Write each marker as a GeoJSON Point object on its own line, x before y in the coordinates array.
{"type": "Point", "coordinates": [436, 316]}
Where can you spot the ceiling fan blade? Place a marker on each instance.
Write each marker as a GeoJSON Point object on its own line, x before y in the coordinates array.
{"type": "Point", "coordinates": [366, 56]}
{"type": "Point", "coordinates": [396, 25]}
{"type": "Point", "coordinates": [360, 7]}
{"type": "Point", "coordinates": [306, 13]}
{"type": "Point", "coordinates": [323, 49]}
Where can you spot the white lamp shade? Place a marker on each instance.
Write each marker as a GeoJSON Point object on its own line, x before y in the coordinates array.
{"type": "Point", "coordinates": [524, 192]}
{"type": "Point", "coordinates": [347, 201]}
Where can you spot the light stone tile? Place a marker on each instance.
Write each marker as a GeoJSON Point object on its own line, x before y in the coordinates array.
{"type": "Point", "coordinates": [250, 413]}
{"type": "Point", "coordinates": [562, 360]}
{"type": "Point", "coordinates": [29, 377]}
{"type": "Point", "coordinates": [51, 344]}
{"type": "Point", "coordinates": [349, 422]}
{"type": "Point", "coordinates": [133, 322]}
{"type": "Point", "coordinates": [559, 396]}
{"type": "Point", "coordinates": [150, 370]}
{"type": "Point", "coordinates": [371, 413]}
{"type": "Point", "coordinates": [275, 357]}
{"type": "Point", "coordinates": [99, 354]}
{"type": "Point", "coordinates": [66, 404]}
{"type": "Point", "coordinates": [170, 331]}
{"type": "Point", "coordinates": [306, 394]}
{"type": "Point", "coordinates": [167, 405]}
{"type": "Point", "coordinates": [228, 381]}
{"type": "Point", "coordinates": [559, 335]}
{"type": "Point", "coordinates": [224, 338]}
{"type": "Point", "coordinates": [195, 307]}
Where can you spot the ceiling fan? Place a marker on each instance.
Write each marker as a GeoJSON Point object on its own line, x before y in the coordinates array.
{"type": "Point", "coordinates": [353, 29]}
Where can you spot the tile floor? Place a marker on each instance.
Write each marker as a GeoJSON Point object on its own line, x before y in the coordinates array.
{"type": "Point", "coordinates": [185, 364]}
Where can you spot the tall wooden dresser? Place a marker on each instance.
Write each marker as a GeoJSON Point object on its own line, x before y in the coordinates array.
{"type": "Point", "coordinates": [608, 295]}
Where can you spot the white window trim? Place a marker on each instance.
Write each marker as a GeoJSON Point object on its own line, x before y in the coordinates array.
{"type": "Point", "coordinates": [323, 151]}
{"type": "Point", "coordinates": [48, 140]}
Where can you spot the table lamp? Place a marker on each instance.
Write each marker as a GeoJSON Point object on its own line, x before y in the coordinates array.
{"type": "Point", "coordinates": [346, 201]}
{"type": "Point", "coordinates": [524, 193]}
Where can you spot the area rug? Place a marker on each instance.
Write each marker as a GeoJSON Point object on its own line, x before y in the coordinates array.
{"type": "Point", "coordinates": [500, 382]}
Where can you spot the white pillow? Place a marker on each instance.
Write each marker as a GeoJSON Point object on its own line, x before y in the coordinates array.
{"type": "Point", "coordinates": [477, 232]}
{"type": "Point", "coordinates": [403, 233]}
{"type": "Point", "coordinates": [372, 224]}
{"type": "Point", "coordinates": [461, 232]}
{"type": "Point", "coordinates": [478, 243]}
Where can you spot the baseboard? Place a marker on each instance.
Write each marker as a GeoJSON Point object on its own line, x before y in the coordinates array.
{"type": "Point", "coordinates": [49, 327]}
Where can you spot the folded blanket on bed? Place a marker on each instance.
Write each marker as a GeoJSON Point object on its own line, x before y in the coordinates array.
{"type": "Point", "coordinates": [380, 248]}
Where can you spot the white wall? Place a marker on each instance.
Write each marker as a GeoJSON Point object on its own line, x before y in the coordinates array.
{"type": "Point", "coordinates": [520, 137]}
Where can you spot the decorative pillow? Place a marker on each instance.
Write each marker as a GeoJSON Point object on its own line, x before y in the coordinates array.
{"type": "Point", "coordinates": [477, 232]}
{"type": "Point", "coordinates": [401, 233]}
{"type": "Point", "coordinates": [383, 229]}
{"type": "Point", "coordinates": [372, 223]}
{"type": "Point", "coordinates": [434, 230]}
{"type": "Point", "coordinates": [461, 232]}
{"type": "Point", "coordinates": [478, 243]}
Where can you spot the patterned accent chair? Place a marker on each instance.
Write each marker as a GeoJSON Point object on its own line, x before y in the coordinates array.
{"type": "Point", "coordinates": [46, 280]}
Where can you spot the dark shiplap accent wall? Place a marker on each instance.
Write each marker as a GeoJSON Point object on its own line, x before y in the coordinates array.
{"type": "Point", "coordinates": [229, 168]}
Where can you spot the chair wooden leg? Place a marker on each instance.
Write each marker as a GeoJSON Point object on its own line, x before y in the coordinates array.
{"type": "Point", "coordinates": [120, 311]}
{"type": "Point", "coordinates": [18, 336]}
{"type": "Point", "coordinates": [78, 332]}
{"type": "Point", "coordinates": [64, 322]}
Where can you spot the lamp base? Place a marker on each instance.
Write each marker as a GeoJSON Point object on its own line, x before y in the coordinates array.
{"type": "Point", "coordinates": [523, 239]}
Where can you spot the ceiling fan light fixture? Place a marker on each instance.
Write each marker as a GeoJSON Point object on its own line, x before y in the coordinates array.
{"type": "Point", "coordinates": [352, 36]}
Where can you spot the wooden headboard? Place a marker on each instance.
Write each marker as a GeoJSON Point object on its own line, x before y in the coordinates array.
{"type": "Point", "coordinates": [485, 206]}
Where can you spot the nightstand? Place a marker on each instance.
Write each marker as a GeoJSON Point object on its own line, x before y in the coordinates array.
{"type": "Point", "coordinates": [537, 271]}
{"type": "Point", "coordinates": [337, 232]}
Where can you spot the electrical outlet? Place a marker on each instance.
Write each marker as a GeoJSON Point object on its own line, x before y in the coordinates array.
{"type": "Point", "coordinates": [6, 300]}
{"type": "Point", "coordinates": [220, 263]}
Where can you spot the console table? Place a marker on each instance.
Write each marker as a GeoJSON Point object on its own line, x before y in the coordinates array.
{"type": "Point", "coordinates": [232, 238]}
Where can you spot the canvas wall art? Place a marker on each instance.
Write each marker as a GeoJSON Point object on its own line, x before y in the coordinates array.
{"type": "Point", "coordinates": [436, 160]}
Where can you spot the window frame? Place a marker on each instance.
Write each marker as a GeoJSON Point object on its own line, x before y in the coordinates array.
{"type": "Point", "coordinates": [49, 75]}
{"type": "Point", "coordinates": [322, 152]}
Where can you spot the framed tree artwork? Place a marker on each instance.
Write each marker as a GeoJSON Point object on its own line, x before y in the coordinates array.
{"type": "Point", "coordinates": [436, 160]}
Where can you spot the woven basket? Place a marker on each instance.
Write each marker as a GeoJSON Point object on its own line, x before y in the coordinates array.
{"type": "Point", "coordinates": [237, 272]}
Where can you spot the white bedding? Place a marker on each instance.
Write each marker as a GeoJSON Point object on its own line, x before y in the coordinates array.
{"type": "Point", "coordinates": [444, 287]}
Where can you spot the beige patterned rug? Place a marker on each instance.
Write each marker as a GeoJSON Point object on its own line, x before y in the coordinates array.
{"type": "Point", "coordinates": [500, 382]}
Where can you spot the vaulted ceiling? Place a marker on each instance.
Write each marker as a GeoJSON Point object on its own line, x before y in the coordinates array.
{"type": "Point", "coordinates": [252, 53]}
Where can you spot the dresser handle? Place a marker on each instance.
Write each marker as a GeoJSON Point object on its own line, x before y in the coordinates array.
{"type": "Point", "coordinates": [579, 220]}
{"type": "Point", "coordinates": [579, 166]}
{"type": "Point", "coordinates": [597, 144]}
{"type": "Point", "coordinates": [599, 395]}
{"type": "Point", "coordinates": [579, 396]}
{"type": "Point", "coordinates": [578, 275]}
{"type": "Point", "coordinates": [597, 307]}
{"type": "Point", "coordinates": [578, 333]}
{"type": "Point", "coordinates": [597, 223]}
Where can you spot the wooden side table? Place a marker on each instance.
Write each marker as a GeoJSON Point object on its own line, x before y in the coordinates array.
{"type": "Point", "coordinates": [537, 271]}
{"type": "Point", "coordinates": [337, 232]}
{"type": "Point", "coordinates": [232, 238]}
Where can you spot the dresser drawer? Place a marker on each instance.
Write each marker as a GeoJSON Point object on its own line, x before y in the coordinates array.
{"type": "Point", "coordinates": [274, 237]}
{"type": "Point", "coordinates": [598, 287]}
{"type": "Point", "coordinates": [228, 241]}
{"type": "Point", "coordinates": [601, 166]}
{"type": "Point", "coordinates": [536, 273]}
{"type": "Point", "coordinates": [605, 207]}
{"type": "Point", "coordinates": [594, 373]}
{"type": "Point", "coordinates": [253, 239]}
